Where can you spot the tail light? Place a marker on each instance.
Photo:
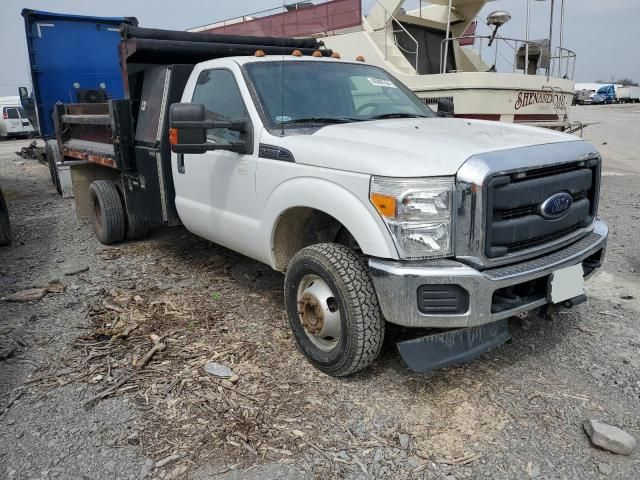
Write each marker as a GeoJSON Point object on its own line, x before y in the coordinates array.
{"type": "Point", "coordinates": [5, 115]}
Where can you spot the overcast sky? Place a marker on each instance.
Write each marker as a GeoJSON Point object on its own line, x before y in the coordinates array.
{"type": "Point", "coordinates": [604, 33]}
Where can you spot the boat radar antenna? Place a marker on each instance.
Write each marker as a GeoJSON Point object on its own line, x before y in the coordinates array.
{"type": "Point", "coordinates": [496, 20]}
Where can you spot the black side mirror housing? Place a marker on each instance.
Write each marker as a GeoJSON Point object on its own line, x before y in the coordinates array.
{"type": "Point", "coordinates": [445, 107]}
{"type": "Point", "coordinates": [25, 100]}
{"type": "Point", "coordinates": [188, 130]}
{"type": "Point", "coordinates": [187, 140]}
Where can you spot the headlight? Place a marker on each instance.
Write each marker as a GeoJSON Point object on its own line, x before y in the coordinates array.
{"type": "Point", "coordinates": [417, 212]}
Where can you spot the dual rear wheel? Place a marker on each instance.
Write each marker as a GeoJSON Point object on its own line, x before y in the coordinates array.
{"type": "Point", "coordinates": [109, 217]}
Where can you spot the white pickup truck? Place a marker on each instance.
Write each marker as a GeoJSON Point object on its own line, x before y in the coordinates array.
{"type": "Point", "coordinates": [379, 211]}
{"type": "Point", "coordinates": [375, 208]}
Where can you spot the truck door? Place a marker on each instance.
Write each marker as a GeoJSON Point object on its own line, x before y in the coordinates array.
{"type": "Point", "coordinates": [215, 191]}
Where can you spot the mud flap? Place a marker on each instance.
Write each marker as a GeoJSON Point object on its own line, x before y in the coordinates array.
{"type": "Point", "coordinates": [456, 346]}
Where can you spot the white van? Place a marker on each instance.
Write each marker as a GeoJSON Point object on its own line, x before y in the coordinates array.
{"type": "Point", "coordinates": [13, 119]}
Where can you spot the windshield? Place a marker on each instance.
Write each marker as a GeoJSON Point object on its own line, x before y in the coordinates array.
{"type": "Point", "coordinates": [325, 92]}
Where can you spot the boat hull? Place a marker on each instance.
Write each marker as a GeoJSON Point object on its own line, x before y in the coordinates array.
{"type": "Point", "coordinates": [531, 99]}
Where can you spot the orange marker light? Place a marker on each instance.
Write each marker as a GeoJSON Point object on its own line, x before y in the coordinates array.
{"type": "Point", "coordinates": [173, 136]}
{"type": "Point", "coordinates": [360, 58]}
{"type": "Point", "coordinates": [335, 55]}
{"type": "Point", "coordinates": [385, 204]}
{"type": "Point", "coordinates": [297, 53]}
{"type": "Point", "coordinates": [317, 53]}
{"type": "Point", "coordinates": [260, 53]}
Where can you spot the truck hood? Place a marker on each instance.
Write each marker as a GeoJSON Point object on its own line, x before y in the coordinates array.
{"type": "Point", "coordinates": [411, 147]}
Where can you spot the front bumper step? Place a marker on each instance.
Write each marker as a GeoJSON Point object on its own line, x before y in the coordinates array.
{"type": "Point", "coordinates": [440, 350]}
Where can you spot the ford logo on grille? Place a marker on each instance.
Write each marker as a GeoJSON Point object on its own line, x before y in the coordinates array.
{"type": "Point", "coordinates": [556, 205]}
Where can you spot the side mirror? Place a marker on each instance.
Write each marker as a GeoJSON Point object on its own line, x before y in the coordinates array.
{"type": "Point", "coordinates": [445, 107]}
{"type": "Point", "coordinates": [25, 100]}
{"type": "Point", "coordinates": [188, 130]}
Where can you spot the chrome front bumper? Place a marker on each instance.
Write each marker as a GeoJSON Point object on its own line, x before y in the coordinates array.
{"type": "Point", "coordinates": [397, 283]}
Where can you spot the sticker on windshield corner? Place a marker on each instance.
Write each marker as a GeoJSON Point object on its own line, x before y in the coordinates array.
{"type": "Point", "coordinates": [283, 118]}
{"type": "Point", "coordinates": [379, 82]}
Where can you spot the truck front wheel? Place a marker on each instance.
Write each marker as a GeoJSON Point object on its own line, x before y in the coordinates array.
{"type": "Point", "coordinates": [333, 309]}
{"type": "Point", "coordinates": [107, 212]}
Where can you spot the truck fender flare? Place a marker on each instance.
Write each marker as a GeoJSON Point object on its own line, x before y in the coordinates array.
{"type": "Point", "coordinates": [362, 221]}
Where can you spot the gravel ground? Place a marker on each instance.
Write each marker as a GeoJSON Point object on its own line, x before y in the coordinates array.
{"type": "Point", "coordinates": [515, 413]}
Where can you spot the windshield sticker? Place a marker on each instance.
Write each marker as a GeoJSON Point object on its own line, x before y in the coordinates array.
{"type": "Point", "coordinates": [283, 118]}
{"type": "Point", "coordinates": [379, 82]}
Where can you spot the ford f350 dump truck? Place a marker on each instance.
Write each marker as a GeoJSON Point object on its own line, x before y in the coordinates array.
{"type": "Point", "coordinates": [375, 208]}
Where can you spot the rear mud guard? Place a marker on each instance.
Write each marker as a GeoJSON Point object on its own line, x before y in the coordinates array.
{"type": "Point", "coordinates": [456, 346]}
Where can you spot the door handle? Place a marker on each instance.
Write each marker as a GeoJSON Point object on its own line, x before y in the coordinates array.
{"type": "Point", "coordinates": [181, 163]}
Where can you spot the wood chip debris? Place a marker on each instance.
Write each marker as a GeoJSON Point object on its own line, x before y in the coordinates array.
{"type": "Point", "coordinates": [152, 344]}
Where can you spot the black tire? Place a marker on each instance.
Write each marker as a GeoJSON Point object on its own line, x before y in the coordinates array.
{"type": "Point", "coordinates": [52, 154]}
{"type": "Point", "coordinates": [48, 152]}
{"type": "Point", "coordinates": [107, 212]}
{"type": "Point", "coordinates": [362, 324]}
{"type": "Point", "coordinates": [5, 226]}
{"type": "Point", "coordinates": [137, 227]}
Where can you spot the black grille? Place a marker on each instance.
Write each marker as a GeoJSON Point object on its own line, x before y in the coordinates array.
{"type": "Point", "coordinates": [544, 172]}
{"type": "Point", "coordinates": [514, 220]}
{"type": "Point", "coordinates": [527, 209]}
{"type": "Point", "coordinates": [517, 246]}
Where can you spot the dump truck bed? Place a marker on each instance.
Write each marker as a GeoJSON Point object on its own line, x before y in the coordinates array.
{"type": "Point", "coordinates": [130, 135]}
{"type": "Point", "coordinates": [73, 59]}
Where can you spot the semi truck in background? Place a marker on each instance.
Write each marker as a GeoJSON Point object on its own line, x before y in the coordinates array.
{"type": "Point", "coordinates": [330, 170]}
{"type": "Point", "coordinates": [606, 94]}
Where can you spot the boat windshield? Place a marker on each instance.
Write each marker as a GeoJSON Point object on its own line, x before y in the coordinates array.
{"type": "Point", "coordinates": [322, 92]}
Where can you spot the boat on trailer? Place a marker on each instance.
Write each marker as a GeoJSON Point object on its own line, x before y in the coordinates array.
{"type": "Point", "coordinates": [442, 51]}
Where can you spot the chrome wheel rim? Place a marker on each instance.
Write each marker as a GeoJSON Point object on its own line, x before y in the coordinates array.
{"type": "Point", "coordinates": [318, 312]}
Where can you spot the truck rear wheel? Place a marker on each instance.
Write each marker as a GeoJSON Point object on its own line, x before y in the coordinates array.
{"type": "Point", "coordinates": [53, 157]}
{"type": "Point", "coordinates": [137, 227]}
{"type": "Point", "coordinates": [333, 309]}
{"type": "Point", "coordinates": [5, 226]}
{"type": "Point", "coordinates": [107, 212]}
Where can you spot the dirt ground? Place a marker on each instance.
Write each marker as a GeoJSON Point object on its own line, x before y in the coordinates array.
{"type": "Point", "coordinates": [106, 380]}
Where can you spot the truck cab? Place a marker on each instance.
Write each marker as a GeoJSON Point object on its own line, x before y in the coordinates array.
{"type": "Point", "coordinates": [335, 165]}
{"type": "Point", "coordinates": [607, 94]}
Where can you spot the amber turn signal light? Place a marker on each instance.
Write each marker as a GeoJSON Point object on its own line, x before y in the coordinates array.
{"type": "Point", "coordinates": [173, 136]}
{"type": "Point", "coordinates": [385, 204]}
